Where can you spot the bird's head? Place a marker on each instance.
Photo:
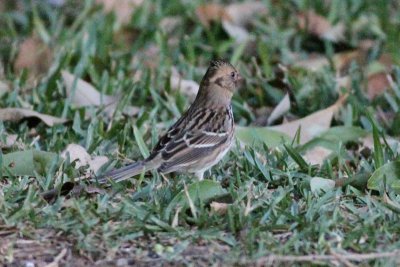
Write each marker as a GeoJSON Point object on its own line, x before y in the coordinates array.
{"type": "Point", "coordinates": [221, 75]}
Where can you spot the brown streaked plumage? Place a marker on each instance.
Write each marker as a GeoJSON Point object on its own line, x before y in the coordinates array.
{"type": "Point", "coordinates": [201, 137]}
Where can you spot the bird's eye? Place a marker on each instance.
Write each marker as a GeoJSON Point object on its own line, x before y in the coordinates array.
{"type": "Point", "coordinates": [233, 74]}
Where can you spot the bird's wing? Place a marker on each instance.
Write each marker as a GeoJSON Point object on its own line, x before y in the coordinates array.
{"type": "Point", "coordinates": [188, 148]}
{"type": "Point", "coordinates": [192, 138]}
{"type": "Point", "coordinates": [188, 122]}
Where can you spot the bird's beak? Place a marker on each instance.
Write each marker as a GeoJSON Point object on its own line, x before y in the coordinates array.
{"type": "Point", "coordinates": [239, 80]}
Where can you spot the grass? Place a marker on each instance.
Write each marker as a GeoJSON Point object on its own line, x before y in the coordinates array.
{"type": "Point", "coordinates": [269, 209]}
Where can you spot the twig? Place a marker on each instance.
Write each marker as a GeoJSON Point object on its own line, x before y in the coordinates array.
{"type": "Point", "coordinates": [310, 258]}
{"type": "Point", "coordinates": [57, 258]}
{"type": "Point", "coordinates": [340, 258]}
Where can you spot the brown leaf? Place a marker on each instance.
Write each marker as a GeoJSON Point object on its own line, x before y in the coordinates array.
{"type": "Point", "coordinates": [243, 13]}
{"type": "Point", "coordinates": [33, 55]}
{"type": "Point", "coordinates": [280, 110]}
{"type": "Point", "coordinates": [188, 87]}
{"type": "Point", "coordinates": [314, 62]}
{"type": "Point", "coordinates": [219, 208]}
{"type": "Point", "coordinates": [316, 155]}
{"type": "Point", "coordinates": [368, 142]}
{"type": "Point", "coordinates": [123, 9]}
{"type": "Point", "coordinates": [234, 17]}
{"type": "Point", "coordinates": [149, 57]}
{"type": "Point", "coordinates": [86, 95]}
{"type": "Point", "coordinates": [10, 140]}
{"type": "Point", "coordinates": [170, 23]}
{"type": "Point", "coordinates": [341, 61]}
{"type": "Point", "coordinates": [377, 84]}
{"type": "Point", "coordinates": [311, 125]}
{"type": "Point", "coordinates": [210, 13]}
{"type": "Point", "coordinates": [17, 114]}
{"type": "Point", "coordinates": [316, 24]}
{"type": "Point", "coordinates": [79, 154]}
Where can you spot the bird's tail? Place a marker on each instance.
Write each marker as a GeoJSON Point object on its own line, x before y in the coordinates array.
{"type": "Point", "coordinates": [118, 175]}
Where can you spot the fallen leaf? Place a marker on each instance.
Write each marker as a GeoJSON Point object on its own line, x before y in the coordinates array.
{"type": "Point", "coordinates": [314, 62]}
{"type": "Point", "coordinates": [338, 134]}
{"type": "Point", "coordinates": [319, 148]}
{"type": "Point", "coordinates": [210, 13]}
{"type": "Point", "coordinates": [239, 16]}
{"type": "Point", "coordinates": [243, 13]}
{"type": "Point", "coordinates": [281, 109]}
{"type": "Point", "coordinates": [33, 55]}
{"type": "Point", "coordinates": [188, 87]}
{"type": "Point", "coordinates": [17, 114]}
{"type": "Point", "coordinates": [234, 17]}
{"type": "Point", "coordinates": [219, 208]}
{"type": "Point", "coordinates": [318, 25]}
{"type": "Point", "coordinates": [341, 61]}
{"type": "Point", "coordinates": [378, 83]}
{"type": "Point", "coordinates": [79, 154]}
{"type": "Point", "coordinates": [170, 24]}
{"type": "Point", "coordinates": [86, 95]}
{"type": "Point", "coordinates": [319, 185]}
{"type": "Point", "coordinates": [123, 9]}
{"type": "Point", "coordinates": [394, 144]}
{"type": "Point", "coordinates": [9, 140]}
{"type": "Point", "coordinates": [149, 57]}
{"type": "Point", "coordinates": [312, 125]}
{"type": "Point", "coordinates": [238, 33]}
{"type": "Point", "coordinates": [317, 155]}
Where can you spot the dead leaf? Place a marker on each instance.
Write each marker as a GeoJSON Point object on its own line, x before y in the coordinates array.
{"type": "Point", "coordinates": [123, 9]}
{"type": "Point", "coordinates": [210, 13]}
{"type": "Point", "coordinates": [10, 140]}
{"type": "Point", "coordinates": [234, 17]}
{"type": "Point", "coordinates": [238, 33]}
{"type": "Point", "coordinates": [378, 83]}
{"type": "Point", "coordinates": [17, 114]}
{"type": "Point", "coordinates": [281, 109]}
{"type": "Point", "coordinates": [79, 154]}
{"type": "Point", "coordinates": [313, 63]}
{"type": "Point", "coordinates": [33, 55]}
{"type": "Point", "coordinates": [219, 208]}
{"type": "Point", "coordinates": [243, 13]}
{"type": "Point", "coordinates": [341, 61]}
{"type": "Point", "coordinates": [318, 25]}
{"type": "Point", "coordinates": [149, 57]}
{"type": "Point", "coordinates": [317, 155]}
{"type": "Point", "coordinates": [170, 23]}
{"type": "Point", "coordinates": [86, 95]}
{"type": "Point", "coordinates": [311, 125]}
{"type": "Point", "coordinates": [368, 142]}
{"type": "Point", "coordinates": [188, 87]}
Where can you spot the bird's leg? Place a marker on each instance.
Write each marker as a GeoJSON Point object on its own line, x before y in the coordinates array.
{"type": "Point", "coordinates": [165, 178]}
{"type": "Point", "coordinates": [199, 175]}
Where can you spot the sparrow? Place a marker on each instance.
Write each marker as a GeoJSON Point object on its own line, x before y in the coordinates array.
{"type": "Point", "coordinates": [201, 137]}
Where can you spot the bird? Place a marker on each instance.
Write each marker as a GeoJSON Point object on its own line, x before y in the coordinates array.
{"type": "Point", "coordinates": [201, 137]}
